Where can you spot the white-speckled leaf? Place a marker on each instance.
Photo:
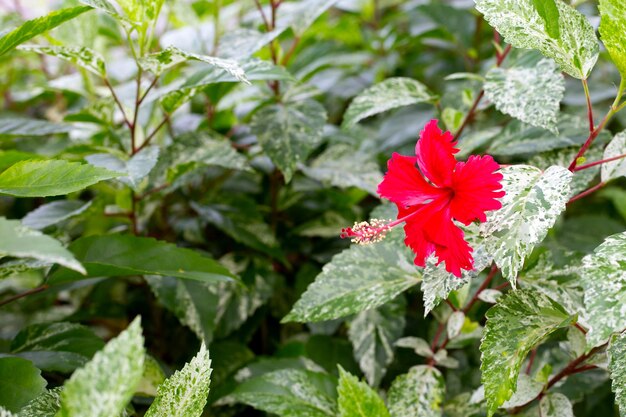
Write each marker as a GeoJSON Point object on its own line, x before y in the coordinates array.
{"type": "Point", "coordinates": [516, 324]}
{"type": "Point", "coordinates": [289, 132]}
{"type": "Point", "coordinates": [160, 62]}
{"type": "Point", "coordinates": [437, 283]}
{"type": "Point", "coordinates": [82, 56]}
{"type": "Point", "coordinates": [617, 367]}
{"type": "Point", "coordinates": [386, 95]}
{"type": "Point", "coordinates": [357, 399]}
{"type": "Point", "coordinates": [46, 405]}
{"type": "Point", "coordinates": [20, 242]}
{"type": "Point", "coordinates": [290, 393]}
{"type": "Point", "coordinates": [373, 334]}
{"type": "Point", "coordinates": [617, 168]}
{"type": "Point", "coordinates": [604, 281]}
{"type": "Point", "coordinates": [613, 31]}
{"type": "Point", "coordinates": [184, 394]}
{"type": "Point", "coordinates": [358, 279]}
{"type": "Point", "coordinates": [53, 213]}
{"type": "Point", "coordinates": [104, 386]}
{"type": "Point", "coordinates": [330, 167]}
{"type": "Point", "coordinates": [530, 94]}
{"type": "Point", "coordinates": [575, 48]}
{"type": "Point", "coordinates": [532, 204]}
{"type": "Point", "coordinates": [555, 405]}
{"type": "Point", "coordinates": [420, 392]}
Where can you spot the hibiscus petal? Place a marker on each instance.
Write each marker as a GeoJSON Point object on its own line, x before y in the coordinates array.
{"type": "Point", "coordinates": [435, 154]}
{"type": "Point", "coordinates": [476, 188]}
{"type": "Point", "coordinates": [404, 184]}
{"type": "Point", "coordinates": [431, 229]}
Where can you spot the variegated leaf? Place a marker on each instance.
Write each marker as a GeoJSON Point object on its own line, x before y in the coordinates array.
{"type": "Point", "coordinates": [604, 281]}
{"type": "Point", "coordinates": [516, 324]}
{"type": "Point", "coordinates": [574, 45]}
{"type": "Point", "coordinates": [532, 204]}
{"type": "Point", "coordinates": [615, 169]}
{"type": "Point", "coordinates": [184, 394]}
{"type": "Point", "coordinates": [420, 392]}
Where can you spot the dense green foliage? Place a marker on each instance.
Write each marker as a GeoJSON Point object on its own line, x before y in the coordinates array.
{"type": "Point", "coordinates": [174, 176]}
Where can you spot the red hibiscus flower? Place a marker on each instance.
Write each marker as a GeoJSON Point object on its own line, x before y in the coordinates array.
{"type": "Point", "coordinates": [431, 195]}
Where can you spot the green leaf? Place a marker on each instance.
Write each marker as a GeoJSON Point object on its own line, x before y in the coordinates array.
{"type": "Point", "coordinates": [56, 347]}
{"type": "Point", "coordinates": [208, 308]}
{"type": "Point", "coordinates": [290, 393]}
{"type": "Point", "coordinates": [34, 27]}
{"type": "Point", "coordinates": [357, 399]}
{"type": "Point", "coordinates": [358, 279]}
{"type": "Point", "coordinates": [20, 382]}
{"type": "Point", "coordinates": [289, 132]}
{"type": "Point", "coordinates": [604, 280]}
{"type": "Point", "coordinates": [69, 337]}
{"type": "Point", "coordinates": [519, 322]}
{"type": "Point", "coordinates": [524, 26]}
{"type": "Point", "coordinates": [617, 367]}
{"type": "Point", "coordinates": [330, 168]}
{"type": "Point", "coordinates": [50, 178]}
{"type": "Point", "coordinates": [20, 242]}
{"type": "Point", "coordinates": [615, 169]}
{"type": "Point", "coordinates": [420, 392]}
{"type": "Point", "coordinates": [613, 31]}
{"type": "Point", "coordinates": [160, 62]}
{"type": "Point", "coordinates": [194, 150]}
{"type": "Point", "coordinates": [549, 12]}
{"type": "Point", "coordinates": [373, 334]}
{"type": "Point", "coordinates": [124, 255]}
{"type": "Point", "coordinates": [533, 202]}
{"type": "Point", "coordinates": [82, 56]}
{"type": "Point", "coordinates": [53, 213]}
{"type": "Point", "coordinates": [136, 168]}
{"type": "Point", "coordinates": [107, 383]}
{"type": "Point", "coordinates": [184, 394]}
{"type": "Point", "coordinates": [389, 94]}
{"type": "Point", "coordinates": [555, 405]}
{"type": "Point", "coordinates": [11, 157]}
{"type": "Point", "coordinates": [518, 138]}
{"type": "Point", "coordinates": [239, 217]}
{"type": "Point", "coordinates": [531, 94]}
{"type": "Point", "coordinates": [45, 405]}
{"type": "Point", "coordinates": [23, 126]}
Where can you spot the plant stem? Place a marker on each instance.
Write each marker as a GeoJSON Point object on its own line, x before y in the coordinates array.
{"type": "Point", "coordinates": [146, 142]}
{"type": "Point", "coordinates": [483, 286]}
{"type": "Point", "coordinates": [593, 164]}
{"type": "Point", "coordinates": [470, 114]}
{"type": "Point", "coordinates": [589, 108]}
{"type": "Point", "coordinates": [24, 294]}
{"type": "Point", "coordinates": [615, 107]}
{"type": "Point", "coordinates": [587, 192]}
{"type": "Point", "coordinates": [118, 102]}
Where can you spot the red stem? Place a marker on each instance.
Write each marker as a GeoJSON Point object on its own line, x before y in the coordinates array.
{"type": "Point", "coordinates": [586, 192]}
{"type": "Point", "coordinates": [485, 284]}
{"type": "Point", "coordinates": [592, 136]}
{"type": "Point", "coordinates": [24, 294]}
{"type": "Point", "coordinates": [589, 108]}
{"type": "Point", "coordinates": [593, 164]}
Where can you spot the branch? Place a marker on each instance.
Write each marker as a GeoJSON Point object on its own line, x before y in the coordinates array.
{"type": "Point", "coordinates": [587, 192]}
{"type": "Point", "coordinates": [24, 294]}
{"type": "Point", "coordinates": [589, 108]}
{"type": "Point", "coordinates": [593, 164]}
{"type": "Point", "coordinates": [483, 286]}
{"type": "Point", "coordinates": [119, 103]}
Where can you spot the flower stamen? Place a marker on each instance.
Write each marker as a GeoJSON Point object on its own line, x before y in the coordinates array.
{"type": "Point", "coordinates": [365, 233]}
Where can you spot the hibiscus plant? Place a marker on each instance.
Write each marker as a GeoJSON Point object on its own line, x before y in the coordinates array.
{"type": "Point", "coordinates": [176, 178]}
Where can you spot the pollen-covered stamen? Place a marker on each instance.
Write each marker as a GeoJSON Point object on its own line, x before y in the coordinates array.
{"type": "Point", "coordinates": [364, 233]}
